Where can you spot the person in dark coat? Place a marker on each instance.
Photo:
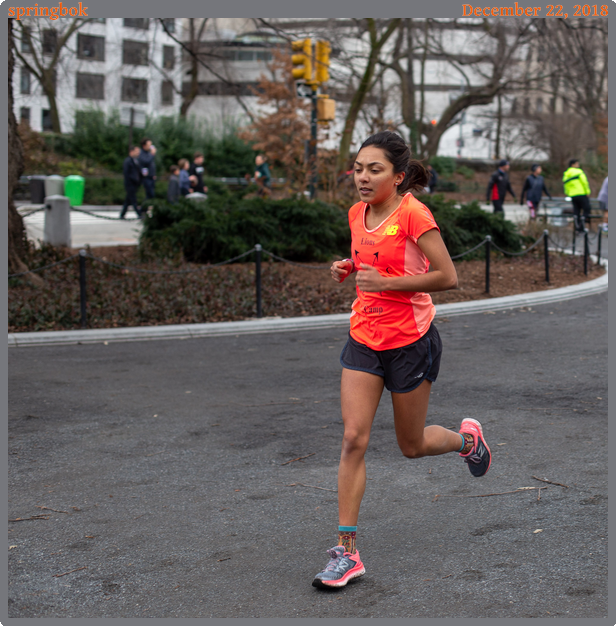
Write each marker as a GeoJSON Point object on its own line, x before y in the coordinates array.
{"type": "Point", "coordinates": [132, 180]}
{"type": "Point", "coordinates": [173, 189]}
{"type": "Point", "coordinates": [148, 166]}
{"type": "Point", "coordinates": [197, 170]}
{"type": "Point", "coordinates": [433, 180]}
{"type": "Point", "coordinates": [534, 186]}
{"type": "Point", "coordinates": [498, 187]}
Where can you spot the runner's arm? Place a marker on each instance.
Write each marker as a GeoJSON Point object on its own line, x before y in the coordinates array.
{"type": "Point", "coordinates": [441, 277]}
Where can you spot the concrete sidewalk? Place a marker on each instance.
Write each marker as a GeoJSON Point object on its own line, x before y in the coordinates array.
{"type": "Point", "coordinates": [197, 478]}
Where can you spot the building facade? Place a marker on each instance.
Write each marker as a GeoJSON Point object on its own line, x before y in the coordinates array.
{"type": "Point", "coordinates": [107, 64]}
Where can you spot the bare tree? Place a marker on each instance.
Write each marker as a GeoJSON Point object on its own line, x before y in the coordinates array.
{"type": "Point", "coordinates": [17, 232]}
{"type": "Point", "coordinates": [377, 40]}
{"type": "Point", "coordinates": [493, 68]}
{"type": "Point", "coordinates": [576, 55]}
{"type": "Point", "coordinates": [45, 46]}
{"type": "Point", "coordinates": [201, 55]}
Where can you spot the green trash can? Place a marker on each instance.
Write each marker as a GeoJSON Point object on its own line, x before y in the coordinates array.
{"type": "Point", "coordinates": [73, 189]}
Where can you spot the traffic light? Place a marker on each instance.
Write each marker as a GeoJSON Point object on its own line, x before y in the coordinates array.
{"type": "Point", "coordinates": [303, 60]}
{"type": "Point", "coordinates": [323, 49]}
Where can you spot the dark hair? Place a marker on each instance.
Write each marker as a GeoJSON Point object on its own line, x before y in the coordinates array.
{"type": "Point", "coordinates": [182, 163]}
{"type": "Point", "coordinates": [144, 141]}
{"type": "Point", "coordinates": [174, 168]}
{"type": "Point", "coordinates": [131, 148]}
{"type": "Point", "coordinates": [196, 155]}
{"type": "Point", "coordinates": [399, 155]}
{"type": "Point", "coordinates": [534, 166]}
{"type": "Point", "coordinates": [572, 161]}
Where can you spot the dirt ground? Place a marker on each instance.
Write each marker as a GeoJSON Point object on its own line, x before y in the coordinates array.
{"type": "Point", "coordinates": [311, 291]}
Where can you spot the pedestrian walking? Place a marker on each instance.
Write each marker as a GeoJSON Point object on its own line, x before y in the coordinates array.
{"type": "Point", "coordinates": [173, 188]}
{"type": "Point", "coordinates": [148, 166]}
{"type": "Point", "coordinates": [433, 179]}
{"type": "Point", "coordinates": [534, 186]}
{"type": "Point", "coordinates": [603, 204]}
{"type": "Point", "coordinates": [185, 182]}
{"type": "Point", "coordinates": [577, 188]}
{"type": "Point", "coordinates": [498, 186]}
{"type": "Point", "coordinates": [132, 180]}
{"type": "Point", "coordinates": [263, 176]}
{"type": "Point", "coordinates": [198, 171]}
{"type": "Point", "coordinates": [393, 342]}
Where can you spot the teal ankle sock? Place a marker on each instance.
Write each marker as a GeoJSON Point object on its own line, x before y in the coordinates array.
{"type": "Point", "coordinates": [463, 442]}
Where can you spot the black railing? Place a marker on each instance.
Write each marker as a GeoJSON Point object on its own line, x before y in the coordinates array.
{"type": "Point", "coordinates": [259, 251]}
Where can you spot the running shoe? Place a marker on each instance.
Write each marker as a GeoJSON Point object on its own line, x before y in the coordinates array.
{"type": "Point", "coordinates": [342, 567]}
{"type": "Point", "coordinates": [479, 458]}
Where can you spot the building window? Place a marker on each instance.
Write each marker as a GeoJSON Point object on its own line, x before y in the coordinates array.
{"type": "Point", "coordinates": [168, 57]}
{"type": "Point", "coordinates": [539, 105]}
{"type": "Point", "coordinates": [90, 47]}
{"type": "Point", "coordinates": [99, 20]}
{"type": "Point", "coordinates": [514, 106]}
{"type": "Point", "coordinates": [143, 23]}
{"type": "Point", "coordinates": [553, 105]}
{"type": "Point", "coordinates": [50, 41]}
{"type": "Point", "coordinates": [134, 52]}
{"type": "Point", "coordinates": [526, 110]}
{"type": "Point", "coordinates": [565, 105]}
{"type": "Point", "coordinates": [167, 92]}
{"type": "Point", "coordinates": [24, 115]}
{"type": "Point", "coordinates": [91, 86]}
{"type": "Point", "coordinates": [25, 81]}
{"type": "Point", "coordinates": [46, 119]}
{"type": "Point", "coordinates": [25, 39]}
{"type": "Point", "coordinates": [169, 22]}
{"type": "Point", "coordinates": [134, 90]}
{"type": "Point", "coordinates": [264, 55]}
{"type": "Point", "coordinates": [245, 55]}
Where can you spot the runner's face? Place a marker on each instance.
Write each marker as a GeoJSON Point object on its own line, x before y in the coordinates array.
{"type": "Point", "coordinates": [374, 176]}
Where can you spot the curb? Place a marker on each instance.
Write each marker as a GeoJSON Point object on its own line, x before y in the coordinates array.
{"type": "Point", "coordinates": [272, 324]}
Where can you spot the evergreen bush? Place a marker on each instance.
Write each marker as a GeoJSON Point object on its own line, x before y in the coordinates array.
{"type": "Point", "coordinates": [228, 224]}
{"type": "Point", "coordinates": [469, 225]}
{"type": "Point", "coordinates": [444, 166]}
{"type": "Point", "coordinates": [104, 140]}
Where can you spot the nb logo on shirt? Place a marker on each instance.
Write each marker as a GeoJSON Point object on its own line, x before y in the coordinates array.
{"type": "Point", "coordinates": [392, 230]}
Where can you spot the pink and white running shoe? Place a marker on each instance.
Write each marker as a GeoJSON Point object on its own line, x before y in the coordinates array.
{"type": "Point", "coordinates": [342, 567]}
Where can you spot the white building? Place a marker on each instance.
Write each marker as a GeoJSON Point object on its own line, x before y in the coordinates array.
{"type": "Point", "coordinates": [108, 63]}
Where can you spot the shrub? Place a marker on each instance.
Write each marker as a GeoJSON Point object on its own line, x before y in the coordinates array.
{"type": "Point", "coordinates": [104, 140]}
{"type": "Point", "coordinates": [445, 166]}
{"type": "Point", "coordinates": [469, 225]}
{"type": "Point", "coordinates": [227, 224]}
{"type": "Point", "coordinates": [467, 172]}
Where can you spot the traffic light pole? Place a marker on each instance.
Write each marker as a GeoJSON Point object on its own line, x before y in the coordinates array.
{"type": "Point", "coordinates": [313, 146]}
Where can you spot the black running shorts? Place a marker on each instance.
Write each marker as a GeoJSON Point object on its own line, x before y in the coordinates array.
{"type": "Point", "coordinates": [404, 368]}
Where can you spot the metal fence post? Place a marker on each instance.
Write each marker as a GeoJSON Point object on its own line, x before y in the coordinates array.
{"type": "Point", "coordinates": [82, 286]}
{"type": "Point", "coordinates": [599, 233]}
{"type": "Point", "coordinates": [546, 255]}
{"type": "Point", "coordinates": [258, 250]}
{"type": "Point", "coordinates": [574, 235]}
{"type": "Point", "coordinates": [488, 245]}
{"type": "Point", "coordinates": [586, 252]}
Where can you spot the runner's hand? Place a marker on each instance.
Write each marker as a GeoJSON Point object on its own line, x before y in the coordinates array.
{"type": "Point", "coordinates": [369, 279]}
{"type": "Point", "coordinates": [341, 269]}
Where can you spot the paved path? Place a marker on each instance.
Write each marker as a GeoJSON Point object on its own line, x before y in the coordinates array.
{"type": "Point", "coordinates": [161, 475]}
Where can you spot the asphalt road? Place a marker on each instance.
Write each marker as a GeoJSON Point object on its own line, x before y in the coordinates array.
{"type": "Point", "coordinates": [162, 478]}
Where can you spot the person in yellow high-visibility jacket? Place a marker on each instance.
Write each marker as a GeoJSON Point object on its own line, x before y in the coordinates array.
{"type": "Point", "coordinates": [577, 188]}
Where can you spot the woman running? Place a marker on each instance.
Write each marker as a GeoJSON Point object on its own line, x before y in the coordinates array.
{"type": "Point", "coordinates": [392, 341]}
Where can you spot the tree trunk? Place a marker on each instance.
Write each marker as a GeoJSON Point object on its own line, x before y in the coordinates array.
{"type": "Point", "coordinates": [47, 83]}
{"type": "Point", "coordinates": [17, 232]}
{"type": "Point", "coordinates": [188, 99]}
{"type": "Point", "coordinates": [362, 91]}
